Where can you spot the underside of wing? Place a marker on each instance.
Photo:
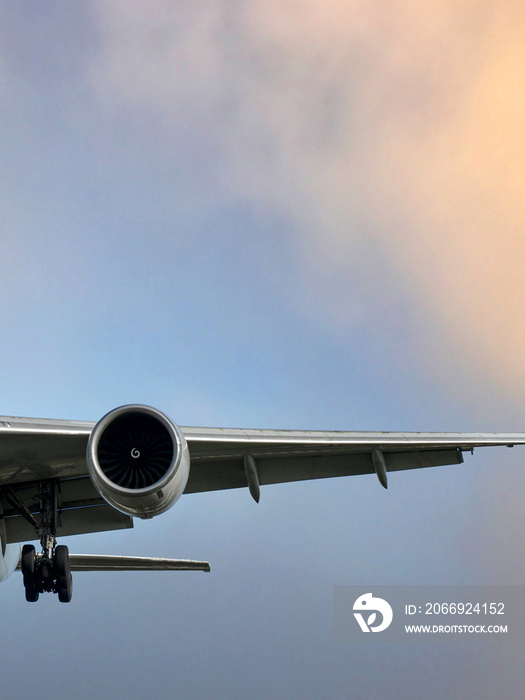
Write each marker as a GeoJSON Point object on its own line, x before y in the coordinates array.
{"type": "Point", "coordinates": [222, 459]}
{"type": "Point", "coordinates": [80, 510]}
{"type": "Point", "coordinates": [110, 562]}
{"type": "Point", "coordinates": [33, 451]}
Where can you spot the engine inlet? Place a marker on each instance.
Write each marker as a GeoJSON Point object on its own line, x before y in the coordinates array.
{"type": "Point", "coordinates": [135, 451]}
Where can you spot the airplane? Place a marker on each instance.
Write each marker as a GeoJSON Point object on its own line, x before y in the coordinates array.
{"type": "Point", "coordinates": [62, 477]}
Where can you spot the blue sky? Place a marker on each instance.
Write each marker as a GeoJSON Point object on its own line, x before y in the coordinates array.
{"type": "Point", "coordinates": [268, 215]}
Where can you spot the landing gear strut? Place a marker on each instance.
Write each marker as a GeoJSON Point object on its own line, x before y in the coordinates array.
{"type": "Point", "coordinates": [48, 570]}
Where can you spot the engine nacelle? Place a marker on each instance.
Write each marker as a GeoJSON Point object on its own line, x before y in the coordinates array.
{"type": "Point", "coordinates": [138, 460]}
{"type": "Point", "coordinates": [9, 558]}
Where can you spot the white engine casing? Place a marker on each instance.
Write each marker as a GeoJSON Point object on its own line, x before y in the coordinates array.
{"type": "Point", "coordinates": [138, 460]}
{"type": "Point", "coordinates": [9, 559]}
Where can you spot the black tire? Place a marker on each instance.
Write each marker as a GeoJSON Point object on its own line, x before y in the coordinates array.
{"type": "Point", "coordinates": [65, 589]}
{"type": "Point", "coordinates": [63, 574]}
{"type": "Point", "coordinates": [62, 567]}
{"type": "Point", "coordinates": [31, 592]}
{"type": "Point", "coordinates": [28, 563]}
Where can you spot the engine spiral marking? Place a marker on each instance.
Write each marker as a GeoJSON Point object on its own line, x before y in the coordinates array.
{"type": "Point", "coordinates": [135, 453]}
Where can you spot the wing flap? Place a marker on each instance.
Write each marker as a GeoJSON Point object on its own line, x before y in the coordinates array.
{"type": "Point", "coordinates": [82, 510]}
{"type": "Point", "coordinates": [215, 474]}
{"type": "Point", "coordinates": [76, 521]}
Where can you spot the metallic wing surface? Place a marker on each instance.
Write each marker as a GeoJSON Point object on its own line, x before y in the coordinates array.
{"type": "Point", "coordinates": [33, 449]}
{"type": "Point", "coordinates": [135, 462]}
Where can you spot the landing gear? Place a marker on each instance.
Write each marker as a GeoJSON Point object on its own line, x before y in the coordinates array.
{"type": "Point", "coordinates": [44, 574]}
{"type": "Point", "coordinates": [49, 570]}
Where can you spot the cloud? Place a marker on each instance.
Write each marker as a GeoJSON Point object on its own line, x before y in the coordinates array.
{"type": "Point", "coordinates": [390, 133]}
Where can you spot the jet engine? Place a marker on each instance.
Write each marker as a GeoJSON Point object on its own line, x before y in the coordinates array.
{"type": "Point", "coordinates": [138, 460]}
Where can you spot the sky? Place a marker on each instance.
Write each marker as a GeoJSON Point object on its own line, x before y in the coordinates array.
{"type": "Point", "coordinates": [274, 215]}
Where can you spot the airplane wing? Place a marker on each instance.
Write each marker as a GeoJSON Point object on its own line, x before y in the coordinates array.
{"type": "Point", "coordinates": [109, 562]}
{"type": "Point", "coordinates": [218, 456]}
{"type": "Point", "coordinates": [35, 450]}
{"type": "Point", "coordinates": [70, 477]}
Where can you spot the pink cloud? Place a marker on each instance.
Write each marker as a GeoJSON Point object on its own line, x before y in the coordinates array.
{"type": "Point", "coordinates": [400, 123]}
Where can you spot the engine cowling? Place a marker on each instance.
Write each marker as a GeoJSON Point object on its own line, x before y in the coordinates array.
{"type": "Point", "coordinates": [138, 460]}
{"type": "Point", "coordinates": [9, 558]}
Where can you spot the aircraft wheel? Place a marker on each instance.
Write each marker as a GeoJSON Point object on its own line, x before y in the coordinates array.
{"type": "Point", "coordinates": [65, 589]}
{"type": "Point", "coordinates": [63, 574]}
{"type": "Point", "coordinates": [62, 567]}
{"type": "Point", "coordinates": [32, 592]}
{"type": "Point", "coordinates": [28, 563]}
